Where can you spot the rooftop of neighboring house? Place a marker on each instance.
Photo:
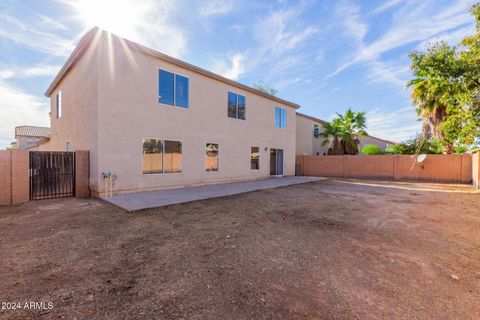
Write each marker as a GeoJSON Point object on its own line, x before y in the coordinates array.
{"type": "Point", "coordinates": [95, 33]}
{"type": "Point", "coordinates": [323, 122]}
{"type": "Point", "coordinates": [32, 131]}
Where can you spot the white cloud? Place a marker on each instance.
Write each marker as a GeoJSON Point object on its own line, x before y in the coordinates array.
{"type": "Point", "coordinates": [412, 23]}
{"type": "Point", "coordinates": [388, 73]}
{"type": "Point", "coordinates": [19, 108]}
{"type": "Point", "coordinates": [397, 124]}
{"type": "Point", "coordinates": [450, 37]}
{"type": "Point", "coordinates": [279, 32]}
{"type": "Point", "coordinates": [32, 36]}
{"type": "Point", "coordinates": [350, 17]}
{"type": "Point", "coordinates": [385, 6]}
{"type": "Point", "coordinates": [39, 70]}
{"type": "Point", "coordinates": [50, 24]}
{"type": "Point", "coordinates": [233, 69]}
{"type": "Point", "coordinates": [215, 7]}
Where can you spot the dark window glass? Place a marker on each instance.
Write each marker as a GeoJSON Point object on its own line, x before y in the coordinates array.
{"type": "Point", "coordinates": [165, 87]}
{"type": "Point", "coordinates": [172, 156]}
{"type": "Point", "coordinates": [255, 158]}
{"type": "Point", "coordinates": [232, 105]}
{"type": "Point", "coordinates": [211, 157]}
{"type": "Point", "coordinates": [152, 156]}
{"type": "Point", "coordinates": [316, 131]}
{"type": "Point", "coordinates": [181, 91]}
{"type": "Point", "coordinates": [241, 107]}
{"type": "Point", "coordinates": [59, 104]}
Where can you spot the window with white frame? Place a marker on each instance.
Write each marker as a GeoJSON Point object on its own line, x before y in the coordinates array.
{"type": "Point", "coordinates": [255, 158]}
{"type": "Point", "coordinates": [280, 117]}
{"type": "Point", "coordinates": [161, 156]}
{"type": "Point", "coordinates": [237, 105]}
{"type": "Point", "coordinates": [173, 89]}
{"type": "Point", "coordinates": [211, 157]}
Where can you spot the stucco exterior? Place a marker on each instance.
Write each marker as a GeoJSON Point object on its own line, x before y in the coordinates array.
{"type": "Point", "coordinates": [110, 103]}
{"type": "Point", "coordinates": [308, 145]}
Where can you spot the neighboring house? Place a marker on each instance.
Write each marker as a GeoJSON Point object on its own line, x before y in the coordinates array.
{"type": "Point", "coordinates": [29, 137]}
{"type": "Point", "coordinates": [154, 121]}
{"type": "Point", "coordinates": [308, 141]}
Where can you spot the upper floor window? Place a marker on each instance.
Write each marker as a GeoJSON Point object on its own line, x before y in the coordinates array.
{"type": "Point", "coordinates": [280, 117]}
{"type": "Point", "coordinates": [58, 104]}
{"type": "Point", "coordinates": [316, 131]}
{"type": "Point", "coordinates": [237, 105]}
{"type": "Point", "coordinates": [172, 89]}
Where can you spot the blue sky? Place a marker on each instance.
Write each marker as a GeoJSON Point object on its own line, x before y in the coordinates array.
{"type": "Point", "coordinates": [325, 55]}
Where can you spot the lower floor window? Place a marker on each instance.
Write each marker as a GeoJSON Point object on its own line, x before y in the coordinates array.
{"type": "Point", "coordinates": [255, 158]}
{"type": "Point", "coordinates": [211, 157]}
{"type": "Point", "coordinates": [161, 156]}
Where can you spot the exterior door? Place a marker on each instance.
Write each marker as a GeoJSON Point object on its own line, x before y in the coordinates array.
{"type": "Point", "coordinates": [276, 162]}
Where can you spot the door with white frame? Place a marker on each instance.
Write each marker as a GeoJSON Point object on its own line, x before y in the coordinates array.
{"type": "Point", "coordinates": [276, 162]}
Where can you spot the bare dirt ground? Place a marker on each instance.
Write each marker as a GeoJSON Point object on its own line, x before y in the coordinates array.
{"type": "Point", "coordinates": [334, 249]}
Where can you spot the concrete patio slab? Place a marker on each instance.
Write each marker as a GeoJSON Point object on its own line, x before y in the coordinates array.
{"type": "Point", "coordinates": [153, 199]}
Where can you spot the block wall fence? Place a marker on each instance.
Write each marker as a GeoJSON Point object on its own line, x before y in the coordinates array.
{"type": "Point", "coordinates": [15, 176]}
{"type": "Point", "coordinates": [476, 170]}
{"type": "Point", "coordinates": [435, 168]}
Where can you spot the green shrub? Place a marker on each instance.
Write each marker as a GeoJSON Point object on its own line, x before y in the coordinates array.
{"type": "Point", "coordinates": [416, 145]}
{"type": "Point", "coordinates": [371, 149]}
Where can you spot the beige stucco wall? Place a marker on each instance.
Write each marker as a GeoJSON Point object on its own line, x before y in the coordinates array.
{"type": "Point", "coordinates": [115, 105]}
{"type": "Point", "coordinates": [129, 111]}
{"type": "Point", "coordinates": [306, 143]}
{"type": "Point", "coordinates": [79, 121]}
{"type": "Point", "coordinates": [372, 140]}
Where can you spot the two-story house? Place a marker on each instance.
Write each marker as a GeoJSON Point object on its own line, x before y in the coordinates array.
{"type": "Point", "coordinates": [155, 121]}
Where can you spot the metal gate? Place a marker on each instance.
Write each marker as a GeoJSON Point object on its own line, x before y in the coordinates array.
{"type": "Point", "coordinates": [52, 174]}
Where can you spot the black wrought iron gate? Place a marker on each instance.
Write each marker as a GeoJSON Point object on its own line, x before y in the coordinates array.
{"type": "Point", "coordinates": [52, 174]}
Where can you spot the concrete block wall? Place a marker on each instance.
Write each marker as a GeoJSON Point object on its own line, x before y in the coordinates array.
{"type": "Point", "coordinates": [436, 168]}
{"type": "Point", "coordinates": [14, 177]}
{"type": "Point", "coordinates": [82, 172]}
{"type": "Point", "coordinates": [476, 170]}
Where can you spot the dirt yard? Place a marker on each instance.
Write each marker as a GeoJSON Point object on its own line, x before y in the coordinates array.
{"type": "Point", "coordinates": [327, 250]}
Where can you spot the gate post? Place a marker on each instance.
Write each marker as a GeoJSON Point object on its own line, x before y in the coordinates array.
{"type": "Point", "coordinates": [20, 176]}
{"type": "Point", "coordinates": [82, 174]}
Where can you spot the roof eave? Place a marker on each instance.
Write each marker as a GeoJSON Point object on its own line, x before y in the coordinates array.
{"type": "Point", "coordinates": [88, 37]}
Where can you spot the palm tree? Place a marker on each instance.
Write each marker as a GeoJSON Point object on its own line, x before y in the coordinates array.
{"type": "Point", "coordinates": [345, 131]}
{"type": "Point", "coordinates": [432, 89]}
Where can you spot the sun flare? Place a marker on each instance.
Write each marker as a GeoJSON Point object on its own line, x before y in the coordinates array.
{"type": "Point", "coordinates": [117, 16]}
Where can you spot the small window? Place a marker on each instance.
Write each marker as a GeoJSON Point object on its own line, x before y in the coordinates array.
{"type": "Point", "coordinates": [67, 146]}
{"type": "Point", "coordinates": [161, 156]}
{"type": "Point", "coordinates": [173, 89]}
{"type": "Point", "coordinates": [255, 158]}
{"type": "Point", "coordinates": [237, 105]}
{"type": "Point", "coordinates": [316, 131]}
{"type": "Point", "coordinates": [280, 117]}
{"type": "Point", "coordinates": [211, 157]}
{"type": "Point", "coordinates": [58, 102]}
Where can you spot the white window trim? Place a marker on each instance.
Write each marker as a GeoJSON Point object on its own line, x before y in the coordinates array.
{"type": "Point", "coordinates": [218, 158]}
{"type": "Point", "coordinates": [163, 158]}
{"type": "Point", "coordinates": [174, 90]}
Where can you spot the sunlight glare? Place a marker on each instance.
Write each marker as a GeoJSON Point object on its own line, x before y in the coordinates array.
{"type": "Point", "coordinates": [116, 16]}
